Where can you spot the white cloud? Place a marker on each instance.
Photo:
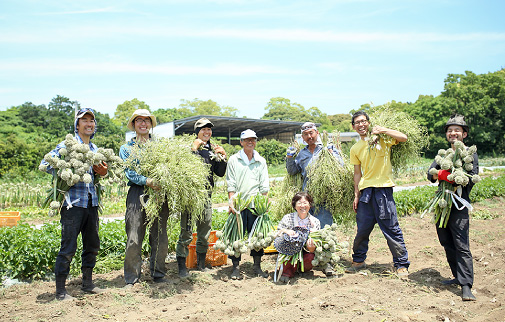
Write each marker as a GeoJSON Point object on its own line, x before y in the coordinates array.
{"type": "Point", "coordinates": [53, 67]}
{"type": "Point", "coordinates": [276, 34]}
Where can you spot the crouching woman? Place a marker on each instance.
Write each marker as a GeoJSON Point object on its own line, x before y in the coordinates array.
{"type": "Point", "coordinates": [291, 224]}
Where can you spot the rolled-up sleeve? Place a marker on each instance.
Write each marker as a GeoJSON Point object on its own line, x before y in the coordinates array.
{"type": "Point", "coordinates": [131, 175]}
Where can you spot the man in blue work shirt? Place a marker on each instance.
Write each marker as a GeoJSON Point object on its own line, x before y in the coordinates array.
{"type": "Point", "coordinates": [300, 163]}
{"type": "Point", "coordinates": [79, 214]}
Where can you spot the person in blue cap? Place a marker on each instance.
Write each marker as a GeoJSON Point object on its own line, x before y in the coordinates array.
{"type": "Point", "coordinates": [79, 214]}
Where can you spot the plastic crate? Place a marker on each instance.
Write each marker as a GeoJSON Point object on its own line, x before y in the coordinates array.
{"type": "Point", "coordinates": [213, 257]}
{"type": "Point", "coordinates": [9, 218]}
{"type": "Point", "coordinates": [212, 238]}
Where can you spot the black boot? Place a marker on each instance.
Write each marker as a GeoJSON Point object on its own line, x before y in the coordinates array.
{"type": "Point", "coordinates": [235, 274]}
{"type": "Point", "coordinates": [200, 262]}
{"type": "Point", "coordinates": [466, 293]}
{"type": "Point", "coordinates": [61, 292]}
{"type": "Point", "coordinates": [257, 267]}
{"type": "Point", "coordinates": [87, 281]}
{"type": "Point", "coordinates": [181, 263]}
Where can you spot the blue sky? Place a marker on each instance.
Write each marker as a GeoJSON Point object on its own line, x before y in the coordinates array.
{"type": "Point", "coordinates": [335, 55]}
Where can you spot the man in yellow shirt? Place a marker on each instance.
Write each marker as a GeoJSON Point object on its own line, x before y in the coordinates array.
{"type": "Point", "coordinates": [373, 194]}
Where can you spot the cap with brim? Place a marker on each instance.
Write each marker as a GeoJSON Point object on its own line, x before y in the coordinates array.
{"type": "Point", "coordinates": [248, 134]}
{"type": "Point", "coordinates": [83, 111]}
{"type": "Point", "coordinates": [308, 126]}
{"type": "Point", "coordinates": [457, 119]}
{"type": "Point", "coordinates": [80, 113]}
{"type": "Point", "coordinates": [203, 122]}
{"type": "Point", "coordinates": [143, 113]}
{"type": "Point", "coordinates": [290, 245]}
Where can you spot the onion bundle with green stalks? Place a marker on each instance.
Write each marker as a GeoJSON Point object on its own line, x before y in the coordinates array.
{"type": "Point", "coordinates": [327, 246]}
{"type": "Point", "coordinates": [263, 231]}
{"type": "Point", "coordinates": [180, 174]}
{"type": "Point", "coordinates": [231, 237]}
{"type": "Point", "coordinates": [401, 153]}
{"type": "Point", "coordinates": [331, 182]}
{"type": "Point", "coordinates": [459, 162]}
{"type": "Point", "coordinates": [73, 165]}
{"type": "Point", "coordinates": [284, 193]}
{"type": "Point", "coordinates": [292, 259]}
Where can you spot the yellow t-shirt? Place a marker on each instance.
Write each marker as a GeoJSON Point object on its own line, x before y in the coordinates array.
{"type": "Point", "coordinates": [375, 164]}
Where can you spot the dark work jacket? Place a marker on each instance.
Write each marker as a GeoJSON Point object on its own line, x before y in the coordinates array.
{"type": "Point", "coordinates": [217, 168]}
{"type": "Point", "coordinates": [465, 194]}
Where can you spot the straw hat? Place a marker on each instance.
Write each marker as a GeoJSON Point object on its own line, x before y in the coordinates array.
{"type": "Point", "coordinates": [141, 112]}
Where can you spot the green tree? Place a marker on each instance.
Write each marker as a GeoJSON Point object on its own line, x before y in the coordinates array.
{"type": "Point", "coordinates": [280, 108]}
{"type": "Point", "coordinates": [125, 110]}
{"type": "Point", "coordinates": [171, 114]}
{"type": "Point", "coordinates": [209, 107]}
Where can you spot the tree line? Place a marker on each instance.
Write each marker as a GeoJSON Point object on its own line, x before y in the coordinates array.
{"type": "Point", "coordinates": [29, 131]}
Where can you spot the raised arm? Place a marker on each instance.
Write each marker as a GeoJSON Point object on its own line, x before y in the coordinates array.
{"type": "Point", "coordinates": [397, 135]}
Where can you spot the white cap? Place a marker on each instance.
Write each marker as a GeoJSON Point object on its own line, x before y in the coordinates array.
{"type": "Point", "coordinates": [248, 134]}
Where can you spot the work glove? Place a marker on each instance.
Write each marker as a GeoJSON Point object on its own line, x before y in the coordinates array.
{"type": "Point", "coordinates": [291, 151]}
{"type": "Point", "coordinates": [443, 174]}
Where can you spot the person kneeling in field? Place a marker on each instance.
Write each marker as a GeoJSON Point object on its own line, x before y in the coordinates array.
{"type": "Point", "coordinates": [79, 214]}
{"type": "Point", "coordinates": [301, 202]}
{"type": "Point", "coordinates": [301, 164]}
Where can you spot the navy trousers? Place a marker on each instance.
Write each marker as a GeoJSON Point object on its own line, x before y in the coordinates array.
{"type": "Point", "coordinates": [376, 205]}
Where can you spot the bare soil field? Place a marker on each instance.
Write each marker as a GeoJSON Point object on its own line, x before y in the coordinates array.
{"type": "Point", "coordinates": [374, 294]}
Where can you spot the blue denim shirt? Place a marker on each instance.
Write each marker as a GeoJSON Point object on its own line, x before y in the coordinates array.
{"type": "Point", "coordinates": [299, 163]}
{"type": "Point", "coordinates": [132, 176]}
{"type": "Point", "coordinates": [78, 193]}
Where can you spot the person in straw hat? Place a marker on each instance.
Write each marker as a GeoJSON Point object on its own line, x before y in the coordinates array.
{"type": "Point", "coordinates": [142, 122]}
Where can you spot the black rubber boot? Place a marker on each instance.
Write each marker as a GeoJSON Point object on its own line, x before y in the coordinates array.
{"type": "Point", "coordinates": [466, 293]}
{"type": "Point", "coordinates": [235, 274]}
{"type": "Point", "coordinates": [61, 292]}
{"type": "Point", "coordinates": [181, 263]}
{"type": "Point", "coordinates": [200, 262]}
{"type": "Point", "coordinates": [257, 267]}
{"type": "Point", "coordinates": [87, 281]}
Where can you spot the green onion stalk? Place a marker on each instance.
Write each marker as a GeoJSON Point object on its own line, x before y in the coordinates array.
{"type": "Point", "coordinates": [231, 238]}
{"type": "Point", "coordinates": [179, 173]}
{"type": "Point", "coordinates": [331, 182]}
{"type": "Point", "coordinates": [263, 231]}
{"type": "Point", "coordinates": [72, 166]}
{"type": "Point", "coordinates": [459, 161]}
{"type": "Point", "coordinates": [292, 259]}
{"type": "Point", "coordinates": [402, 152]}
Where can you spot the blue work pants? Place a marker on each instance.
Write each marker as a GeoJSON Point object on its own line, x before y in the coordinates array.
{"type": "Point", "coordinates": [376, 205]}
